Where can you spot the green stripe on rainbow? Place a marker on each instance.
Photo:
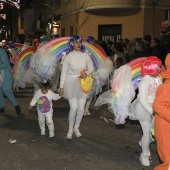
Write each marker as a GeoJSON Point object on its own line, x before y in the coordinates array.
{"type": "Point", "coordinates": [60, 45]}
{"type": "Point", "coordinates": [22, 62]}
{"type": "Point", "coordinates": [136, 65]}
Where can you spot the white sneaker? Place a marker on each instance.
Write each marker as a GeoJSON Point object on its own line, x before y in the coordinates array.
{"type": "Point", "coordinates": [144, 160]}
{"type": "Point", "coordinates": [140, 144]}
{"type": "Point", "coordinates": [88, 113]}
{"type": "Point", "coordinates": [42, 132]}
{"type": "Point", "coordinates": [148, 152]}
{"type": "Point", "coordinates": [51, 134]}
{"type": "Point", "coordinates": [69, 134]}
{"type": "Point", "coordinates": [77, 132]}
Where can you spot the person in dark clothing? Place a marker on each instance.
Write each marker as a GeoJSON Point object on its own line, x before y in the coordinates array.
{"type": "Point", "coordinates": [139, 50]}
{"type": "Point", "coordinates": [158, 50]}
{"type": "Point", "coordinates": [104, 45]}
{"type": "Point", "coordinates": [147, 50]}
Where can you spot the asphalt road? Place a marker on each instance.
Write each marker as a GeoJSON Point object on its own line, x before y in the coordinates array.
{"type": "Point", "coordinates": [103, 146]}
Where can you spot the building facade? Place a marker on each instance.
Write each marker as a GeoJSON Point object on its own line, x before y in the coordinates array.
{"type": "Point", "coordinates": [113, 19]}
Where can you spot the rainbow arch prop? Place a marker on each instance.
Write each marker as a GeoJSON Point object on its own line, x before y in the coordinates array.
{"type": "Point", "coordinates": [57, 48]}
{"type": "Point", "coordinates": [60, 45]}
{"type": "Point", "coordinates": [136, 66]}
{"type": "Point", "coordinates": [22, 64]}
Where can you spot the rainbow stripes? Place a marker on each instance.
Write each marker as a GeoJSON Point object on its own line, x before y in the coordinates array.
{"type": "Point", "coordinates": [22, 62]}
{"type": "Point", "coordinates": [60, 45]}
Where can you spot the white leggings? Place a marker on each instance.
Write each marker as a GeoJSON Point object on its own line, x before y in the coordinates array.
{"type": "Point", "coordinates": [145, 140]}
{"type": "Point", "coordinates": [48, 117]}
{"type": "Point", "coordinates": [76, 112]}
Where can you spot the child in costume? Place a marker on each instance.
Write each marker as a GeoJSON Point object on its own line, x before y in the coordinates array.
{"type": "Point", "coordinates": [43, 98]}
{"type": "Point", "coordinates": [141, 108]}
{"type": "Point", "coordinates": [161, 106]}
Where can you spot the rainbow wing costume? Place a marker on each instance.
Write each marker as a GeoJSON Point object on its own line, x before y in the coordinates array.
{"type": "Point", "coordinates": [21, 66]}
{"type": "Point", "coordinates": [124, 83]}
{"type": "Point", "coordinates": [46, 57]}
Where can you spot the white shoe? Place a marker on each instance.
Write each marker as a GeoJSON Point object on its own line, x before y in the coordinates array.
{"type": "Point", "coordinates": [77, 132]}
{"type": "Point", "coordinates": [51, 134]}
{"type": "Point", "coordinates": [144, 160]}
{"type": "Point", "coordinates": [69, 134]}
{"type": "Point", "coordinates": [148, 152]}
{"type": "Point", "coordinates": [88, 113]}
{"type": "Point", "coordinates": [42, 132]}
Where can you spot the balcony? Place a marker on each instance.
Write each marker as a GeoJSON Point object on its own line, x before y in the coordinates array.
{"type": "Point", "coordinates": [106, 7]}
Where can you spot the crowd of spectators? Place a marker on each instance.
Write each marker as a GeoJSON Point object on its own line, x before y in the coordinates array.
{"type": "Point", "coordinates": [125, 50]}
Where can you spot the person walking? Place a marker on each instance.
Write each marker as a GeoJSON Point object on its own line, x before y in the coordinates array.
{"type": "Point", "coordinates": [74, 64]}
{"type": "Point", "coordinates": [6, 83]}
{"type": "Point", "coordinates": [161, 106]}
{"type": "Point", "coordinates": [43, 98]}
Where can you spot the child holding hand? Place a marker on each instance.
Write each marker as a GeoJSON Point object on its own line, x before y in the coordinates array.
{"type": "Point", "coordinates": [43, 98]}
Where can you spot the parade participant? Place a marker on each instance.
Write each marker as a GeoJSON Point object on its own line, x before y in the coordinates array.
{"type": "Point", "coordinates": [90, 40]}
{"type": "Point", "coordinates": [6, 83]}
{"type": "Point", "coordinates": [141, 108]}
{"type": "Point", "coordinates": [161, 106]}
{"type": "Point", "coordinates": [43, 98]}
{"type": "Point", "coordinates": [74, 63]}
{"type": "Point", "coordinates": [12, 53]}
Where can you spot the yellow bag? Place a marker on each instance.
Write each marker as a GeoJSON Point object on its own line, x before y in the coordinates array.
{"type": "Point", "coordinates": [86, 84]}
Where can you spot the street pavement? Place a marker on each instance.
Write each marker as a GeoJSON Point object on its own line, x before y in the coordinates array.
{"type": "Point", "coordinates": [104, 146]}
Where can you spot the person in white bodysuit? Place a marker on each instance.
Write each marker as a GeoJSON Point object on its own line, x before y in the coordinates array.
{"type": "Point", "coordinates": [74, 63]}
{"type": "Point", "coordinates": [141, 108]}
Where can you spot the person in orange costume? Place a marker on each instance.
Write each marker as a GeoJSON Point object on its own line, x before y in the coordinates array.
{"type": "Point", "coordinates": [161, 106]}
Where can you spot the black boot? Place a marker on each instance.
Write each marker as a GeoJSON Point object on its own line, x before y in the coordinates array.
{"type": "Point", "coordinates": [18, 110]}
{"type": "Point", "coordinates": [2, 110]}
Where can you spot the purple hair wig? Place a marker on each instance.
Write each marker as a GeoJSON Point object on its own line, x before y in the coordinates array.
{"type": "Point", "coordinates": [11, 44]}
{"type": "Point", "coordinates": [73, 39]}
{"type": "Point", "coordinates": [89, 39]}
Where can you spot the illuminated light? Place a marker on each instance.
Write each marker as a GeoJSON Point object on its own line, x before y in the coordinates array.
{"type": "Point", "coordinates": [15, 3]}
{"type": "Point", "coordinates": [56, 25]}
{"type": "Point", "coordinates": [1, 6]}
{"type": "Point", "coordinates": [3, 16]}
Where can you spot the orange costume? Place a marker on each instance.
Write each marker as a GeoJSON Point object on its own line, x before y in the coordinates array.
{"type": "Point", "coordinates": [161, 106]}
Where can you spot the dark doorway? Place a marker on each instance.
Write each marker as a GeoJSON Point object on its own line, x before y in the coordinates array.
{"type": "Point", "coordinates": [110, 32]}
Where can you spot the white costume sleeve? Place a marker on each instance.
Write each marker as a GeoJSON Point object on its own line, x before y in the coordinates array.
{"type": "Point", "coordinates": [89, 65]}
{"type": "Point", "coordinates": [55, 96]}
{"type": "Point", "coordinates": [143, 88]}
{"type": "Point", "coordinates": [64, 71]}
{"type": "Point", "coordinates": [35, 98]}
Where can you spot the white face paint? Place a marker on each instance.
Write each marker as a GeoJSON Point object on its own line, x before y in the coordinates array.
{"type": "Point", "coordinates": [77, 45]}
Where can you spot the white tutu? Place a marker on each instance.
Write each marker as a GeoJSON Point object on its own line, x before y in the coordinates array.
{"type": "Point", "coordinates": [72, 88]}
{"type": "Point", "coordinates": [138, 112]}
